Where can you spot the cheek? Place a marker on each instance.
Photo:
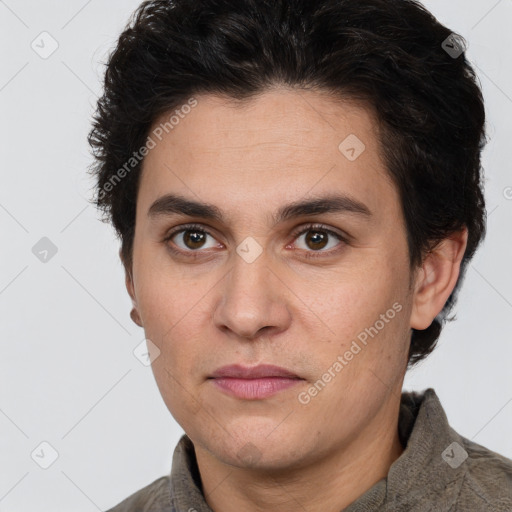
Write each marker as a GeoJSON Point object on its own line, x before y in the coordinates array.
{"type": "Point", "coordinates": [164, 296]}
{"type": "Point", "coordinates": [177, 370]}
{"type": "Point", "coordinates": [173, 314]}
{"type": "Point", "coordinates": [361, 317]}
{"type": "Point", "coordinates": [346, 302]}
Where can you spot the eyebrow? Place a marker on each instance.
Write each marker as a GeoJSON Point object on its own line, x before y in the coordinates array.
{"type": "Point", "coordinates": [170, 204]}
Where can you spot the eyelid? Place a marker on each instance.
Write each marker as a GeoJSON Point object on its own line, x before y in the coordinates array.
{"type": "Point", "coordinates": [187, 227]}
{"type": "Point", "coordinates": [319, 227]}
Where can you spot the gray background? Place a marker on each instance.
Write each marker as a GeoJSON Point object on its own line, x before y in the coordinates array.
{"type": "Point", "coordinates": [68, 375]}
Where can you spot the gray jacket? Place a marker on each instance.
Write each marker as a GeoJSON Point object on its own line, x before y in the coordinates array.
{"type": "Point", "coordinates": [439, 471]}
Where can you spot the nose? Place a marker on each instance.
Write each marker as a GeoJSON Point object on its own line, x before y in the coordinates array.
{"type": "Point", "coordinates": [253, 300]}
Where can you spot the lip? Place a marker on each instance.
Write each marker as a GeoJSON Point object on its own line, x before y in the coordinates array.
{"type": "Point", "coordinates": [254, 383]}
{"type": "Point", "coordinates": [253, 372]}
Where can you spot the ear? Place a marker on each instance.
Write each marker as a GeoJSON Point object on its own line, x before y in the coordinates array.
{"type": "Point", "coordinates": [436, 279]}
{"type": "Point", "coordinates": [134, 314]}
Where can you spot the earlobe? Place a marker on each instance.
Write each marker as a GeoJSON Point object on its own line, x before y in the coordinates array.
{"type": "Point", "coordinates": [134, 314]}
{"type": "Point", "coordinates": [437, 278]}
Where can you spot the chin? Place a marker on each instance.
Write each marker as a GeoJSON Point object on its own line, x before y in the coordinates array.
{"type": "Point", "coordinates": [253, 450]}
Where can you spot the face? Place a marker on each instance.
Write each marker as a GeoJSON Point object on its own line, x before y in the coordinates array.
{"type": "Point", "coordinates": [322, 291]}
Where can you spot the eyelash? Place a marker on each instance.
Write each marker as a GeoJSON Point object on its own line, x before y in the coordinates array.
{"type": "Point", "coordinates": [296, 234]}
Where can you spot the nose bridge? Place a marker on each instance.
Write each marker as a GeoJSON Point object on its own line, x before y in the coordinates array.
{"type": "Point", "coordinates": [250, 275]}
{"type": "Point", "coordinates": [250, 300]}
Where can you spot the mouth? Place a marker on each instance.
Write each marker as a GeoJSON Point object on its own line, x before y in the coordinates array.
{"type": "Point", "coordinates": [253, 383]}
{"type": "Point", "coordinates": [261, 371]}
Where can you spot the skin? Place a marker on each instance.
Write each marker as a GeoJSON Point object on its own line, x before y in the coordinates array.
{"type": "Point", "coordinates": [283, 309]}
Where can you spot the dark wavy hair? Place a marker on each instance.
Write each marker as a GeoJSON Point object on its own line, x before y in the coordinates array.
{"type": "Point", "coordinates": [393, 55]}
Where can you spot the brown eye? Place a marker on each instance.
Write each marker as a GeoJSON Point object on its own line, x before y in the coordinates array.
{"type": "Point", "coordinates": [190, 239]}
{"type": "Point", "coordinates": [193, 239]}
{"type": "Point", "coordinates": [316, 239]}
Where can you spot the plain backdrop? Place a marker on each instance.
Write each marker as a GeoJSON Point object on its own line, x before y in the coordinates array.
{"type": "Point", "coordinates": [68, 375]}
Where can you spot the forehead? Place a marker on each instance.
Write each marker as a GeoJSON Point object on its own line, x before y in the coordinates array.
{"type": "Point", "coordinates": [278, 146]}
{"type": "Point", "coordinates": [277, 116]}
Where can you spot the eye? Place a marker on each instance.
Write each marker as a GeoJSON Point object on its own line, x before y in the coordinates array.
{"type": "Point", "coordinates": [317, 238]}
{"type": "Point", "coordinates": [192, 238]}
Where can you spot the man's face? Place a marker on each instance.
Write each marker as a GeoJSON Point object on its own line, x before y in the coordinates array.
{"type": "Point", "coordinates": [246, 293]}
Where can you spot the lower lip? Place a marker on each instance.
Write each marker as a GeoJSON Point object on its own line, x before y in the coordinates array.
{"type": "Point", "coordinates": [255, 389]}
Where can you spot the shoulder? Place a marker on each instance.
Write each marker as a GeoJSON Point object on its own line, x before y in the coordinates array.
{"type": "Point", "coordinates": [487, 479]}
{"type": "Point", "coordinates": [155, 497]}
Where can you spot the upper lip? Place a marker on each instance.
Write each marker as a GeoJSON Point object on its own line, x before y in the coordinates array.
{"type": "Point", "coordinates": [254, 372]}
